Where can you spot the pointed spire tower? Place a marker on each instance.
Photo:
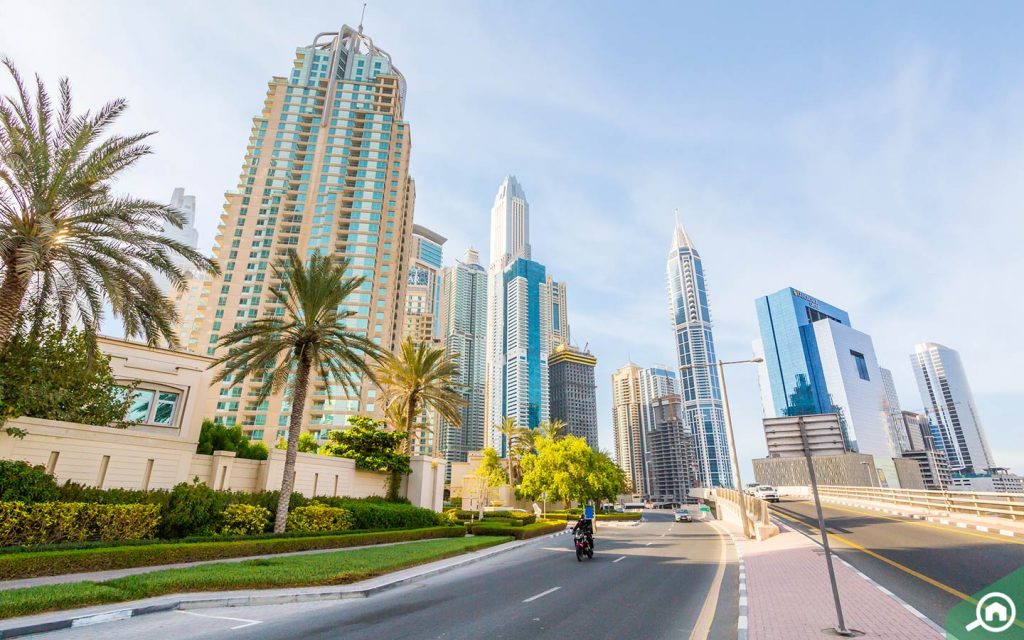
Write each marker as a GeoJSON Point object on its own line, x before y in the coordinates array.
{"type": "Point", "coordinates": [695, 348]}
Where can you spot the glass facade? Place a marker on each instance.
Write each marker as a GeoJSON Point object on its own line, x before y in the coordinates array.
{"type": "Point", "coordinates": [526, 347]}
{"type": "Point", "coordinates": [791, 352]}
{"type": "Point", "coordinates": [699, 384]}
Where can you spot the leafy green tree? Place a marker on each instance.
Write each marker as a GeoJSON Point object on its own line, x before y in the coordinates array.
{"type": "Point", "coordinates": [307, 443]}
{"type": "Point", "coordinates": [509, 432]}
{"type": "Point", "coordinates": [65, 234]}
{"type": "Point", "coordinates": [370, 444]}
{"type": "Point", "coordinates": [491, 469]}
{"type": "Point", "coordinates": [552, 429]}
{"type": "Point", "coordinates": [419, 377]}
{"type": "Point", "coordinates": [57, 376]}
{"type": "Point", "coordinates": [286, 349]}
{"type": "Point", "coordinates": [569, 470]}
{"type": "Point", "coordinates": [219, 437]}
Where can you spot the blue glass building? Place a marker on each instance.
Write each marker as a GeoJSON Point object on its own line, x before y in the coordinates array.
{"type": "Point", "coordinates": [791, 352]}
{"type": "Point", "coordinates": [699, 385]}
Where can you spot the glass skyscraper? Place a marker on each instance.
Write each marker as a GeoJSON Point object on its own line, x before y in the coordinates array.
{"type": "Point", "coordinates": [815, 362]}
{"type": "Point", "coordinates": [326, 170]}
{"type": "Point", "coordinates": [700, 388]}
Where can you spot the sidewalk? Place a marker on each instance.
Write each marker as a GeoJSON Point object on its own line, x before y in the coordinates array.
{"type": "Point", "coordinates": [788, 596]}
{"type": "Point", "coordinates": [1000, 526]}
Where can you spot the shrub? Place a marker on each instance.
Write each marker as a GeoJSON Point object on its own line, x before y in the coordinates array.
{"type": "Point", "coordinates": [219, 437]}
{"type": "Point", "coordinates": [374, 514]}
{"type": "Point", "coordinates": [244, 520]}
{"type": "Point", "coordinates": [520, 533]}
{"type": "Point", "coordinates": [456, 502]}
{"type": "Point", "coordinates": [319, 517]}
{"type": "Point", "coordinates": [22, 482]}
{"type": "Point", "coordinates": [449, 517]}
{"type": "Point", "coordinates": [193, 509]}
{"type": "Point", "coordinates": [54, 522]}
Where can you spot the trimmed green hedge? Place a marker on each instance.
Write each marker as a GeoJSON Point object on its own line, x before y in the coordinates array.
{"type": "Point", "coordinates": [523, 532]}
{"type": "Point", "coordinates": [30, 564]}
{"type": "Point", "coordinates": [55, 522]}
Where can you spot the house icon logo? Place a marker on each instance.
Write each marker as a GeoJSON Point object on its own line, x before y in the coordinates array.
{"type": "Point", "coordinates": [994, 613]}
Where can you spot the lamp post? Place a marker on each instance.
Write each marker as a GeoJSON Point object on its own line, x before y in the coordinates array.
{"type": "Point", "coordinates": [728, 426]}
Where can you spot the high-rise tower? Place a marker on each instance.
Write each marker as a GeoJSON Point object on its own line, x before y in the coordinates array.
{"type": "Point", "coordinates": [326, 171]}
{"type": "Point", "coordinates": [571, 376]}
{"type": "Point", "coordinates": [519, 319]}
{"type": "Point", "coordinates": [422, 294]}
{"type": "Point", "coordinates": [626, 428]}
{"type": "Point", "coordinates": [463, 329]}
{"type": "Point", "coordinates": [695, 348]}
{"type": "Point", "coordinates": [948, 400]}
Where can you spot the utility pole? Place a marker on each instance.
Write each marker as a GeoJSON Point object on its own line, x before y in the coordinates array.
{"type": "Point", "coordinates": [840, 630]}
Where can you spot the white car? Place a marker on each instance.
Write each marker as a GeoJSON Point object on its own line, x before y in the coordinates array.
{"type": "Point", "coordinates": [767, 493]}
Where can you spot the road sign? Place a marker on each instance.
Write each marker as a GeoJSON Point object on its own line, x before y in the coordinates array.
{"type": "Point", "coordinates": [705, 508]}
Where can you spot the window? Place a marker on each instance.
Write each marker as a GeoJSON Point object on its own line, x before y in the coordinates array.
{"type": "Point", "coordinates": [862, 366]}
{"type": "Point", "coordinates": [152, 406]}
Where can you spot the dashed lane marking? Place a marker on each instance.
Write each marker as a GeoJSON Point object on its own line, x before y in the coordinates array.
{"type": "Point", "coordinates": [541, 594]}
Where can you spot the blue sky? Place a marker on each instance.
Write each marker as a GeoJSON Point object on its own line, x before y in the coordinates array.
{"type": "Point", "coordinates": [870, 154]}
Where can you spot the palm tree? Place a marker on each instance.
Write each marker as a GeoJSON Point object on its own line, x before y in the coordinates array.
{"type": "Point", "coordinates": [552, 429]}
{"type": "Point", "coordinates": [311, 334]}
{"type": "Point", "coordinates": [65, 237]}
{"type": "Point", "coordinates": [510, 432]}
{"type": "Point", "coordinates": [419, 377]}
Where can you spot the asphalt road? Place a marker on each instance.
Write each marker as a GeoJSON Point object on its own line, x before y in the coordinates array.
{"type": "Point", "coordinates": [930, 566]}
{"type": "Point", "coordinates": [649, 581]}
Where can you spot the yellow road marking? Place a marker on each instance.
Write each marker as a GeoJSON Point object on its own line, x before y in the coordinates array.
{"type": "Point", "coordinates": [702, 627]}
{"type": "Point", "coordinates": [940, 527]}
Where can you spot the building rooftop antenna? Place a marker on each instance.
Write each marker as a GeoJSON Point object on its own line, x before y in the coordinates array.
{"type": "Point", "coordinates": [677, 216]}
{"type": "Point", "coordinates": [361, 16]}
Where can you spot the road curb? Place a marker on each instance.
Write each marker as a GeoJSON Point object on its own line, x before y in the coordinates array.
{"type": "Point", "coordinates": [185, 602]}
{"type": "Point", "coordinates": [948, 521]}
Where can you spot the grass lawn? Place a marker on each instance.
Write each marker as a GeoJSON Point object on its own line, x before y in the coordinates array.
{"type": "Point", "coordinates": [331, 568]}
{"type": "Point", "coordinates": [29, 564]}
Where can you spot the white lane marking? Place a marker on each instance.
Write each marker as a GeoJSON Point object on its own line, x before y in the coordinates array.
{"type": "Point", "coordinates": [648, 544]}
{"type": "Point", "coordinates": [619, 558]}
{"type": "Point", "coordinates": [542, 594]}
{"type": "Point", "coordinates": [247, 623]}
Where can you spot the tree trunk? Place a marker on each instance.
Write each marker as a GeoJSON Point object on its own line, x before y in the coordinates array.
{"type": "Point", "coordinates": [12, 293]}
{"type": "Point", "coordinates": [395, 484]}
{"type": "Point", "coordinates": [294, 430]}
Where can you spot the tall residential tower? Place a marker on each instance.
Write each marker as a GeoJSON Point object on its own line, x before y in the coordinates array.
{"type": "Point", "coordinates": [571, 375]}
{"type": "Point", "coordinates": [699, 385]}
{"type": "Point", "coordinates": [326, 171]}
{"type": "Point", "coordinates": [948, 400]}
{"type": "Point", "coordinates": [626, 428]}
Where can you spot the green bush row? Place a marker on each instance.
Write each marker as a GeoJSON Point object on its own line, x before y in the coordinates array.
{"type": "Point", "coordinates": [55, 522]}
{"type": "Point", "coordinates": [319, 517]}
{"type": "Point", "coordinates": [45, 563]}
{"type": "Point", "coordinates": [523, 532]}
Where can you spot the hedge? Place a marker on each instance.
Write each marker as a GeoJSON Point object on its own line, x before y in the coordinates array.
{"type": "Point", "coordinates": [30, 564]}
{"type": "Point", "coordinates": [244, 520]}
{"type": "Point", "coordinates": [54, 522]}
{"type": "Point", "coordinates": [519, 533]}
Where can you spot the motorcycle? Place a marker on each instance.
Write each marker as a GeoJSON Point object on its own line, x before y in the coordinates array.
{"type": "Point", "coordinates": [583, 546]}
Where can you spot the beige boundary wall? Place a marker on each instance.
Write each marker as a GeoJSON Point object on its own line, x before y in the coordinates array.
{"type": "Point", "coordinates": [134, 459]}
{"type": "Point", "coordinates": [159, 456]}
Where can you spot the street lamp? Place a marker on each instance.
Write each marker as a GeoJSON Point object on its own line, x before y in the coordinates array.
{"type": "Point", "coordinates": [728, 425]}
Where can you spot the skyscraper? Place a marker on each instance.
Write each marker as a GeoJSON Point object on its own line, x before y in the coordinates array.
{"type": "Point", "coordinates": [815, 363]}
{"type": "Point", "coordinates": [519, 318]}
{"type": "Point", "coordinates": [186, 235]}
{"type": "Point", "coordinates": [655, 382]}
{"type": "Point", "coordinates": [948, 400]}
{"type": "Point", "coordinates": [670, 453]}
{"type": "Point", "coordinates": [559, 312]}
{"type": "Point", "coordinates": [695, 348]}
{"type": "Point", "coordinates": [325, 171]}
{"type": "Point", "coordinates": [894, 414]}
{"type": "Point", "coordinates": [463, 328]}
{"type": "Point", "coordinates": [571, 376]}
{"type": "Point", "coordinates": [628, 433]}
{"type": "Point", "coordinates": [422, 293]}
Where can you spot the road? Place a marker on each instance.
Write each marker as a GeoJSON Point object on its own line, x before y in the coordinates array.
{"type": "Point", "coordinates": [650, 581]}
{"type": "Point", "coordinates": [930, 566]}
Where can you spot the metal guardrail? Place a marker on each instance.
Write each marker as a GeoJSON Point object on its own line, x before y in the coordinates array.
{"type": "Point", "coordinates": [1001, 505]}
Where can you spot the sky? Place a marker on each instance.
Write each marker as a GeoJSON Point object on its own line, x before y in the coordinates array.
{"type": "Point", "coordinates": [869, 154]}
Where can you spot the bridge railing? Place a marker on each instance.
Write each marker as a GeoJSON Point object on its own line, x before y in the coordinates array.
{"type": "Point", "coordinates": [742, 505]}
{"type": "Point", "coordinates": [992, 504]}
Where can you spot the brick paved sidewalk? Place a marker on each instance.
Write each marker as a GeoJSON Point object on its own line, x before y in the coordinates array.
{"type": "Point", "coordinates": [789, 597]}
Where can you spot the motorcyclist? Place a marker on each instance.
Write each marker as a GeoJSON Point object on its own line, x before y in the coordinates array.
{"type": "Point", "coordinates": [585, 525]}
